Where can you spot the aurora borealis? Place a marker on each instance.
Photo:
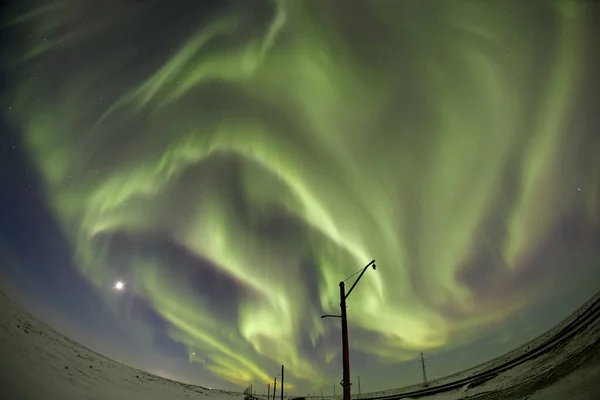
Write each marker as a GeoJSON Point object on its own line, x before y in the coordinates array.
{"type": "Point", "coordinates": [232, 161]}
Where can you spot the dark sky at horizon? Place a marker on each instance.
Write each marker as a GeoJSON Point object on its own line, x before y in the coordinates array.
{"type": "Point", "coordinates": [231, 162]}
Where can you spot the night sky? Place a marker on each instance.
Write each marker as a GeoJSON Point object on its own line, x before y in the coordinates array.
{"type": "Point", "coordinates": [230, 162]}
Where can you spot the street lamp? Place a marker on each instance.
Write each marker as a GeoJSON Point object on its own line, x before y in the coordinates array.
{"type": "Point", "coordinates": [345, 352]}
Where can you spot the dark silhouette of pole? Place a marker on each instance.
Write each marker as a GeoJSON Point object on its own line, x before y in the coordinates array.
{"type": "Point", "coordinates": [268, 391]}
{"type": "Point", "coordinates": [425, 383]}
{"type": "Point", "coordinates": [358, 385]}
{"type": "Point", "coordinates": [274, 388]}
{"type": "Point", "coordinates": [282, 382]}
{"type": "Point", "coordinates": [345, 351]}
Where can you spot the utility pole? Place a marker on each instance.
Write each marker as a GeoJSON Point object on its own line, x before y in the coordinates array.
{"type": "Point", "coordinates": [274, 388]}
{"type": "Point", "coordinates": [358, 385]}
{"type": "Point", "coordinates": [282, 382]}
{"type": "Point", "coordinates": [345, 351]}
{"type": "Point", "coordinates": [425, 383]}
{"type": "Point", "coordinates": [268, 391]}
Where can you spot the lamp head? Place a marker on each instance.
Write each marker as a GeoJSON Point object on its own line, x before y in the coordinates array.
{"type": "Point", "coordinates": [374, 266]}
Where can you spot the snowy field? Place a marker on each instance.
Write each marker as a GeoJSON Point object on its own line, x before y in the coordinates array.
{"type": "Point", "coordinates": [37, 362]}
{"type": "Point", "coordinates": [569, 372]}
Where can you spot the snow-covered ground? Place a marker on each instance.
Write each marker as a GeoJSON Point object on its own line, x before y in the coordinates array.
{"type": "Point", "coordinates": [37, 362]}
{"type": "Point", "coordinates": [536, 342]}
{"type": "Point", "coordinates": [570, 371]}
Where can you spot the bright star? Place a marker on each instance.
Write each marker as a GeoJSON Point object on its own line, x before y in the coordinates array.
{"type": "Point", "coordinates": [119, 285]}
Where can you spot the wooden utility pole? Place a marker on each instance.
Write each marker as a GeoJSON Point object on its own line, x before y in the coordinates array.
{"type": "Point", "coordinates": [282, 382]}
{"type": "Point", "coordinates": [268, 391]}
{"type": "Point", "coordinates": [358, 385]}
{"type": "Point", "coordinates": [274, 388]}
{"type": "Point", "coordinates": [345, 350]}
{"type": "Point", "coordinates": [425, 383]}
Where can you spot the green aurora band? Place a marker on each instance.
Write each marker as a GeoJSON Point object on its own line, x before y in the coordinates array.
{"type": "Point", "coordinates": [386, 135]}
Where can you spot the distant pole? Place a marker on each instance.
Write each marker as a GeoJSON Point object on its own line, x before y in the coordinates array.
{"type": "Point", "coordinates": [358, 385]}
{"type": "Point", "coordinates": [282, 382]}
{"type": "Point", "coordinates": [425, 383]}
{"type": "Point", "coordinates": [268, 391]}
{"type": "Point", "coordinates": [274, 388]}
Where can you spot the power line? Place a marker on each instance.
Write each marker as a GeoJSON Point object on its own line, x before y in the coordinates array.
{"type": "Point", "coordinates": [353, 274]}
